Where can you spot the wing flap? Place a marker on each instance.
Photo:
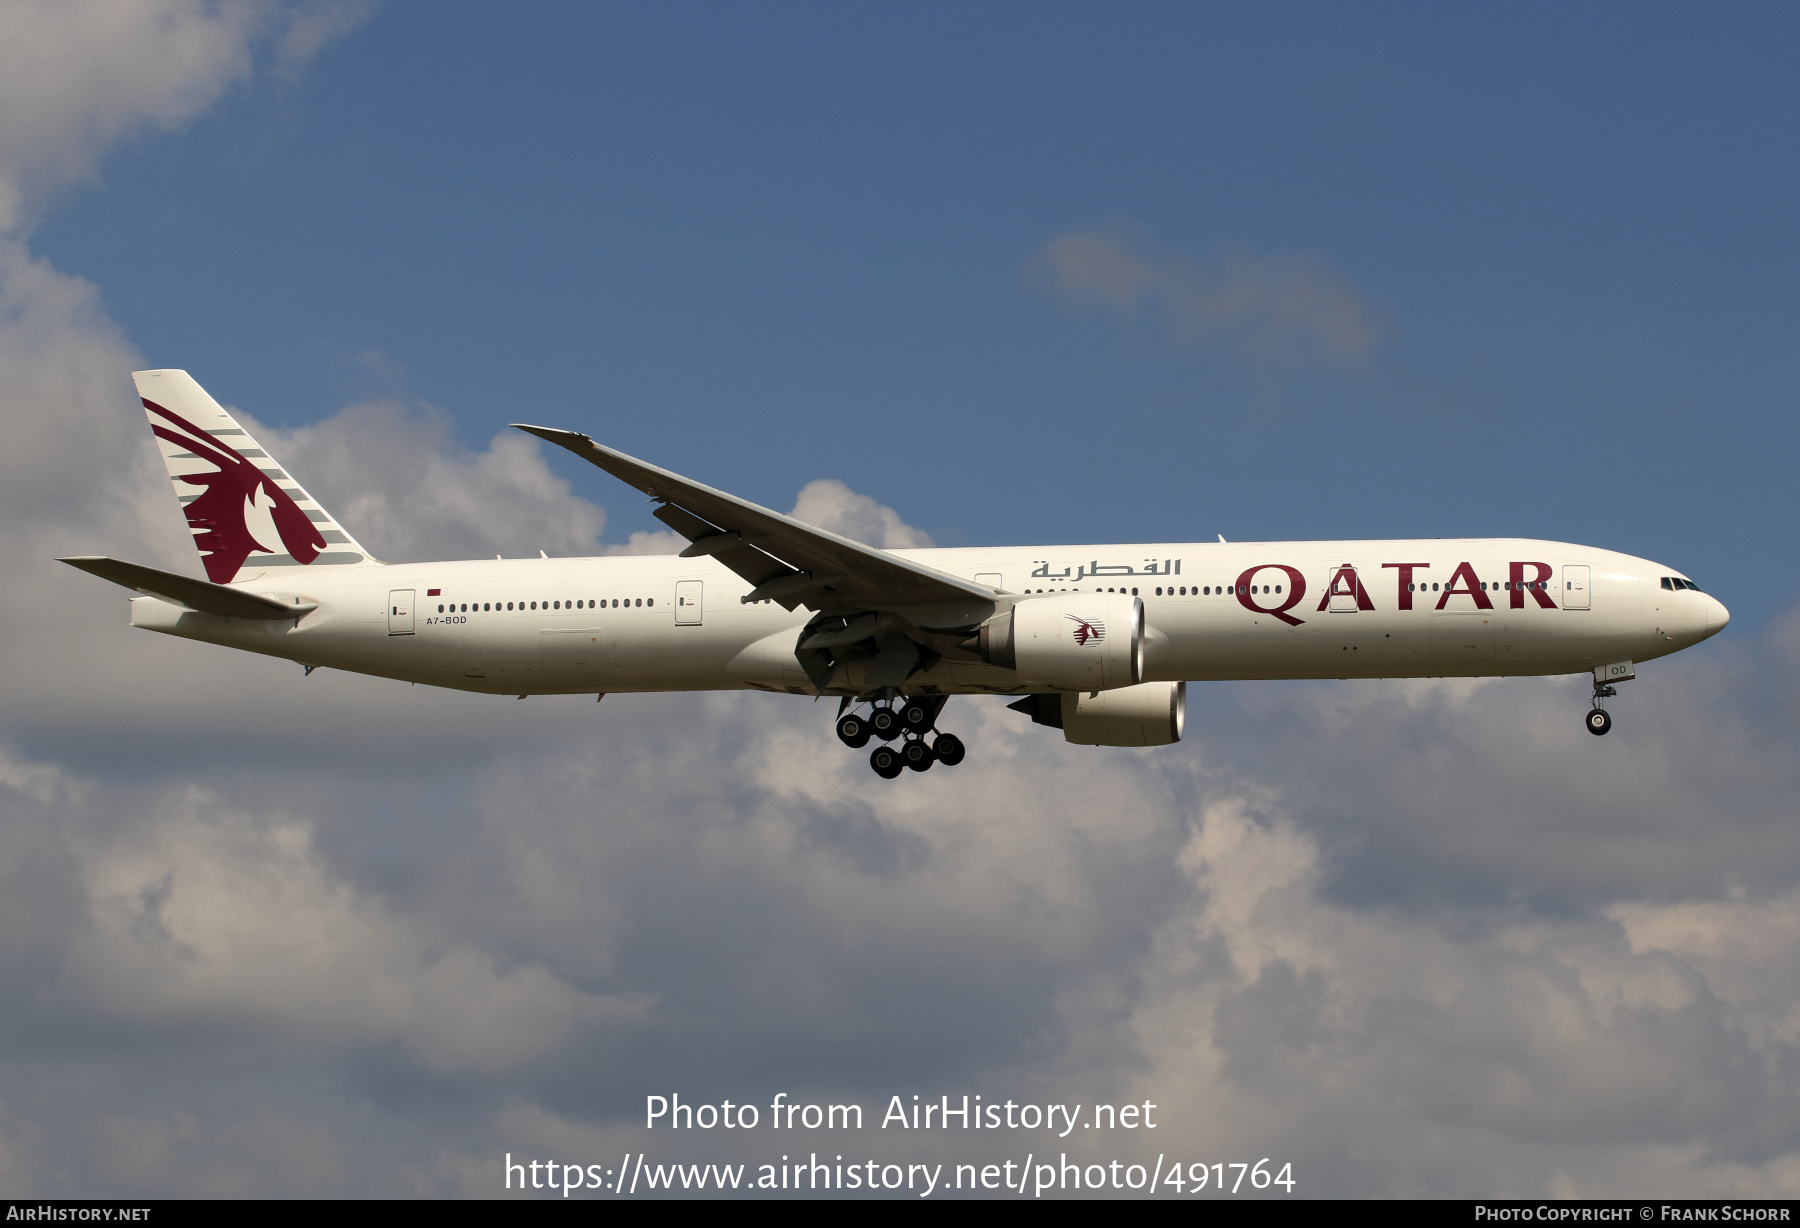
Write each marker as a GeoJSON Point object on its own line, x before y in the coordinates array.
{"type": "Point", "coordinates": [746, 560]}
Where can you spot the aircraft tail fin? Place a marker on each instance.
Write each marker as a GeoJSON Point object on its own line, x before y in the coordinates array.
{"type": "Point", "coordinates": [247, 515]}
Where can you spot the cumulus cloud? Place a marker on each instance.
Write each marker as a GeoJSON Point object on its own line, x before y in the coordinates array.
{"type": "Point", "coordinates": [826, 503]}
{"type": "Point", "coordinates": [830, 504]}
{"type": "Point", "coordinates": [78, 474]}
{"type": "Point", "coordinates": [1280, 307]}
{"type": "Point", "coordinates": [657, 541]}
{"type": "Point", "coordinates": [226, 923]}
{"type": "Point", "coordinates": [709, 894]}
{"type": "Point", "coordinates": [399, 483]}
{"type": "Point", "coordinates": [1396, 1051]}
{"type": "Point", "coordinates": [75, 78]}
{"type": "Point", "coordinates": [265, 934]}
{"type": "Point", "coordinates": [60, 354]}
{"type": "Point", "coordinates": [408, 493]}
{"type": "Point", "coordinates": [1341, 926]}
{"type": "Point", "coordinates": [307, 28]}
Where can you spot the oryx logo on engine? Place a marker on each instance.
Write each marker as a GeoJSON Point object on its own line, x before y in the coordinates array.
{"type": "Point", "coordinates": [1087, 630]}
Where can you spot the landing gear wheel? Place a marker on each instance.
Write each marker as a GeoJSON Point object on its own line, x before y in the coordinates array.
{"type": "Point", "coordinates": [853, 731]}
{"type": "Point", "coordinates": [948, 748]}
{"type": "Point", "coordinates": [885, 723]}
{"type": "Point", "coordinates": [916, 716]}
{"type": "Point", "coordinates": [886, 761]}
{"type": "Point", "coordinates": [917, 755]}
{"type": "Point", "coordinates": [1599, 720]}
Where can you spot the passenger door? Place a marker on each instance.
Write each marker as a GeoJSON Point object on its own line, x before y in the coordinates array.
{"type": "Point", "coordinates": [400, 611]}
{"type": "Point", "coordinates": [1577, 587]}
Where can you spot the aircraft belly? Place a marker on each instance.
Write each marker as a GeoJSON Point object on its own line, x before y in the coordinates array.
{"type": "Point", "coordinates": [1462, 642]}
{"type": "Point", "coordinates": [575, 658]}
{"type": "Point", "coordinates": [511, 658]}
{"type": "Point", "coordinates": [637, 653]}
{"type": "Point", "coordinates": [767, 662]}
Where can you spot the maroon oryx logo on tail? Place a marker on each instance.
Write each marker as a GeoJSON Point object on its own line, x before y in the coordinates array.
{"type": "Point", "coordinates": [1087, 630]}
{"type": "Point", "coordinates": [220, 515]}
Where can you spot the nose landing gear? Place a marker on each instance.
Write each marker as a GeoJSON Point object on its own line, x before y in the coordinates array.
{"type": "Point", "coordinates": [1599, 720]}
{"type": "Point", "coordinates": [910, 719]}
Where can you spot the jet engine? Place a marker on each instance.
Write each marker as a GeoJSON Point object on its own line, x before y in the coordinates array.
{"type": "Point", "coordinates": [1148, 714]}
{"type": "Point", "coordinates": [1071, 641]}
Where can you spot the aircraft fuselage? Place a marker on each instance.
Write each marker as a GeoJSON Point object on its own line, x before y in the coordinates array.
{"type": "Point", "coordinates": [1212, 611]}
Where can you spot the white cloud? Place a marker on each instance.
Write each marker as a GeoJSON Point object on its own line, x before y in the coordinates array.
{"type": "Point", "coordinates": [1342, 926]}
{"type": "Point", "coordinates": [207, 919]}
{"type": "Point", "coordinates": [75, 78]}
{"type": "Point", "coordinates": [399, 483]}
{"type": "Point", "coordinates": [1280, 307]}
{"type": "Point", "coordinates": [408, 493]}
{"type": "Point", "coordinates": [830, 504]}
{"type": "Point", "coordinates": [1172, 925]}
{"type": "Point", "coordinates": [659, 541]}
{"type": "Point", "coordinates": [309, 27]}
{"type": "Point", "coordinates": [78, 474]}
{"type": "Point", "coordinates": [1375, 1041]}
{"type": "Point", "coordinates": [66, 371]}
{"type": "Point", "coordinates": [264, 934]}
{"type": "Point", "coordinates": [826, 503]}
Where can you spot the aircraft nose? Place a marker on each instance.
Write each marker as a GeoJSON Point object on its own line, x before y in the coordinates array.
{"type": "Point", "coordinates": [1716, 615]}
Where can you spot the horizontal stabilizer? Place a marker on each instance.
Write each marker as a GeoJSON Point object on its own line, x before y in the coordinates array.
{"type": "Point", "coordinates": [201, 595]}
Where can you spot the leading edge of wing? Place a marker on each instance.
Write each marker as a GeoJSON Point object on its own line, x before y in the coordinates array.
{"type": "Point", "coordinates": [857, 573]}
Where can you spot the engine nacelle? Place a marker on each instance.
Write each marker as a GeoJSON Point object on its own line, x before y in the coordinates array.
{"type": "Point", "coordinates": [1071, 641]}
{"type": "Point", "coordinates": [1149, 714]}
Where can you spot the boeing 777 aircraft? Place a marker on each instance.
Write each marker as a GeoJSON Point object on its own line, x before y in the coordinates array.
{"type": "Point", "coordinates": [1098, 641]}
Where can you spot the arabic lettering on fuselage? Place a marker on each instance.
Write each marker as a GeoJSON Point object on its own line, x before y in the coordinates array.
{"type": "Point", "coordinates": [1081, 571]}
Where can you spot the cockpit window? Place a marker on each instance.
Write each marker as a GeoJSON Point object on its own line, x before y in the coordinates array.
{"type": "Point", "coordinates": [1669, 583]}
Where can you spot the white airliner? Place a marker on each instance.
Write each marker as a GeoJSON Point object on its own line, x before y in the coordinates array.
{"type": "Point", "coordinates": [1098, 641]}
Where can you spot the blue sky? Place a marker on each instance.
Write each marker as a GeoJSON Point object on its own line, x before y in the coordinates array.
{"type": "Point", "coordinates": [1009, 274]}
{"type": "Point", "coordinates": [770, 244]}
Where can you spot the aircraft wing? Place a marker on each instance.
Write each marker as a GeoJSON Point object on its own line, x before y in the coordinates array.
{"type": "Point", "coordinates": [201, 595]}
{"type": "Point", "coordinates": [783, 559]}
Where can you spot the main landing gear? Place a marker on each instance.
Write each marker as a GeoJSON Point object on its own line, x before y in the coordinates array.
{"type": "Point", "coordinates": [909, 719]}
